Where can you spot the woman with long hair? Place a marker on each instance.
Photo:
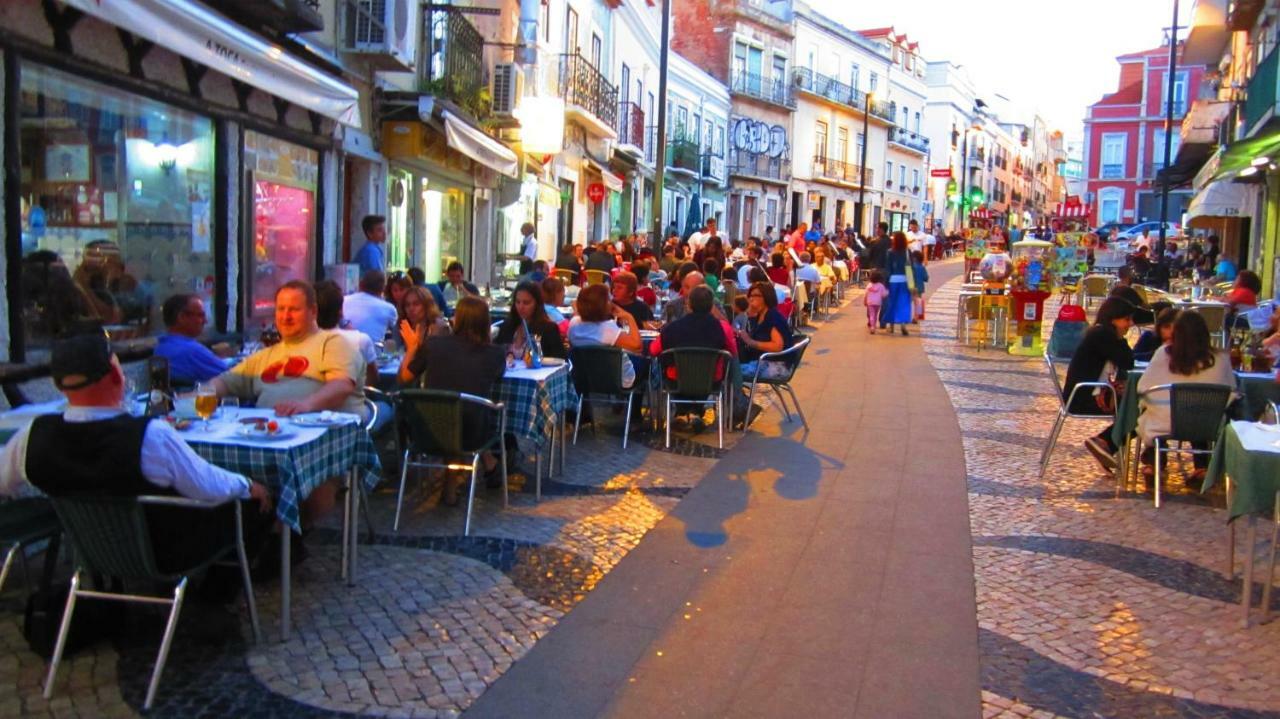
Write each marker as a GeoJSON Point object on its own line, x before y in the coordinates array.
{"type": "Point", "coordinates": [1188, 358]}
{"type": "Point", "coordinates": [1103, 354]}
{"type": "Point", "coordinates": [528, 310]}
{"type": "Point", "coordinates": [421, 319]}
{"type": "Point", "coordinates": [596, 323]}
{"type": "Point", "coordinates": [897, 307]}
{"type": "Point", "coordinates": [397, 285]}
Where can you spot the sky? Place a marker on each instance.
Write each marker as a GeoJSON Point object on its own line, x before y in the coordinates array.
{"type": "Point", "coordinates": [1053, 58]}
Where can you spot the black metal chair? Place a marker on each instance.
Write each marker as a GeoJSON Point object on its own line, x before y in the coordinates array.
{"type": "Point", "coordinates": [111, 539]}
{"type": "Point", "coordinates": [791, 358]}
{"type": "Point", "coordinates": [597, 377]}
{"type": "Point", "coordinates": [434, 424]}
{"type": "Point", "coordinates": [1196, 412]}
{"type": "Point", "coordinates": [24, 522]}
{"type": "Point", "coordinates": [1064, 408]}
{"type": "Point", "coordinates": [695, 382]}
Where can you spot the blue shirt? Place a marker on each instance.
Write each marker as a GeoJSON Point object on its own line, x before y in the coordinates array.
{"type": "Point", "coordinates": [189, 361]}
{"type": "Point", "coordinates": [1226, 269]}
{"type": "Point", "coordinates": [371, 257]}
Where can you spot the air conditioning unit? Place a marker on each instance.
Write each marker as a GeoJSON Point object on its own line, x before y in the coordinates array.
{"type": "Point", "coordinates": [384, 32]}
{"type": "Point", "coordinates": [508, 84]}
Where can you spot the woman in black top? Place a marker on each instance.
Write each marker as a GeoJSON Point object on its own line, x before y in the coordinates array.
{"type": "Point", "coordinates": [1103, 345]}
{"type": "Point", "coordinates": [527, 308]}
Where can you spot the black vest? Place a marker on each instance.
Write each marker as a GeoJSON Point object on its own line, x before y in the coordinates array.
{"type": "Point", "coordinates": [99, 457]}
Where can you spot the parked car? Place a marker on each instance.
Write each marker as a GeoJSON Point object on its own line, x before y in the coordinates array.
{"type": "Point", "coordinates": [1172, 229]}
{"type": "Point", "coordinates": [1104, 231]}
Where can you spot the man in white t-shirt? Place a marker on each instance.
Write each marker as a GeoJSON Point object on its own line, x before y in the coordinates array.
{"type": "Point", "coordinates": [930, 247]}
{"type": "Point", "coordinates": [699, 239]}
{"type": "Point", "coordinates": [329, 303]}
{"type": "Point", "coordinates": [915, 238]}
{"type": "Point", "coordinates": [367, 311]}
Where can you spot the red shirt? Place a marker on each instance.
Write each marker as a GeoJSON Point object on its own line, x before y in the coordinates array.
{"type": "Point", "coordinates": [779, 276]}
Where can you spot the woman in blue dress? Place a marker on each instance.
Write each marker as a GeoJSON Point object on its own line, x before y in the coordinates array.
{"type": "Point", "coordinates": [897, 307]}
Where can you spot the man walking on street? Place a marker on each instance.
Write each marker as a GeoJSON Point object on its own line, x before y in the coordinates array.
{"type": "Point", "coordinates": [371, 256]}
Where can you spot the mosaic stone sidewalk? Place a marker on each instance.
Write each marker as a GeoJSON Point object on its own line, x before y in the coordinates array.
{"type": "Point", "coordinates": [435, 619]}
{"type": "Point", "coordinates": [1091, 604]}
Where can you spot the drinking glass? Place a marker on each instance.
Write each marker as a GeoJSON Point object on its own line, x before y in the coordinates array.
{"type": "Point", "coordinates": [206, 402]}
{"type": "Point", "coordinates": [229, 408]}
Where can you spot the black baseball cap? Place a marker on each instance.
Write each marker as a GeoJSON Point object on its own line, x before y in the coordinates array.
{"type": "Point", "coordinates": [80, 361]}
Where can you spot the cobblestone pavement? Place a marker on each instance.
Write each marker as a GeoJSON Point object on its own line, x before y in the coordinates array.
{"type": "Point", "coordinates": [434, 620]}
{"type": "Point", "coordinates": [1090, 604]}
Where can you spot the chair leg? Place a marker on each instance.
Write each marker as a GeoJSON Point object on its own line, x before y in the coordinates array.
{"type": "Point", "coordinates": [364, 509]}
{"type": "Point", "coordinates": [720, 418]}
{"type": "Point", "coordinates": [249, 601]}
{"type": "Point", "coordinates": [502, 462]}
{"type": "Point", "coordinates": [8, 562]}
{"type": "Point", "coordinates": [796, 400]}
{"type": "Point", "coordinates": [577, 421]}
{"type": "Point", "coordinates": [746, 418]}
{"type": "Point", "coordinates": [471, 494]}
{"type": "Point", "coordinates": [63, 630]}
{"type": "Point", "coordinates": [1052, 442]}
{"type": "Point", "coordinates": [178, 593]}
{"type": "Point", "coordinates": [1271, 565]}
{"type": "Point", "coordinates": [626, 425]}
{"type": "Point", "coordinates": [1156, 444]}
{"type": "Point", "coordinates": [404, 473]}
{"type": "Point", "coordinates": [1246, 584]}
{"type": "Point", "coordinates": [668, 414]}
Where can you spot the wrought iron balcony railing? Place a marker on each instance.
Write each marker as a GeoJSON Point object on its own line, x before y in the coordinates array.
{"type": "Point", "coordinates": [827, 87]}
{"type": "Point", "coordinates": [454, 69]}
{"type": "Point", "coordinates": [840, 171]}
{"type": "Point", "coordinates": [775, 89]}
{"type": "Point", "coordinates": [682, 154]}
{"type": "Point", "coordinates": [884, 110]}
{"type": "Point", "coordinates": [1112, 171]}
{"type": "Point", "coordinates": [651, 144]}
{"type": "Point", "coordinates": [631, 129]}
{"type": "Point", "coordinates": [912, 140]}
{"type": "Point", "coordinates": [582, 84]}
{"type": "Point", "coordinates": [713, 167]}
{"type": "Point", "coordinates": [752, 164]}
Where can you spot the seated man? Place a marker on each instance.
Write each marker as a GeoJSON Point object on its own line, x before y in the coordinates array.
{"type": "Point", "coordinates": [806, 272]}
{"type": "Point", "coordinates": [625, 286]}
{"type": "Point", "coordinates": [701, 326]}
{"type": "Point", "coordinates": [95, 448]}
{"type": "Point", "coordinates": [329, 316]}
{"type": "Point", "coordinates": [367, 311]}
{"type": "Point", "coordinates": [189, 360]}
{"type": "Point", "coordinates": [453, 287]}
{"type": "Point", "coordinates": [678, 306]}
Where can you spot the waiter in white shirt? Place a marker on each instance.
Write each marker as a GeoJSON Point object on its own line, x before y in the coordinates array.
{"type": "Point", "coordinates": [528, 245]}
{"type": "Point", "coordinates": [915, 238]}
{"type": "Point", "coordinates": [96, 448]}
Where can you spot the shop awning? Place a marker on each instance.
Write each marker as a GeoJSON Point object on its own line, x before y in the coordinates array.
{"type": "Point", "coordinates": [1239, 157]}
{"type": "Point", "coordinates": [1221, 198]}
{"type": "Point", "coordinates": [197, 32]}
{"type": "Point", "coordinates": [612, 182]}
{"type": "Point", "coordinates": [480, 147]}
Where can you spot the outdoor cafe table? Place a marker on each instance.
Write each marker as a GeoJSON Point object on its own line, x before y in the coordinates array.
{"type": "Point", "coordinates": [291, 468]}
{"type": "Point", "coordinates": [1255, 387]}
{"type": "Point", "coordinates": [536, 400]}
{"type": "Point", "coordinates": [1247, 455]}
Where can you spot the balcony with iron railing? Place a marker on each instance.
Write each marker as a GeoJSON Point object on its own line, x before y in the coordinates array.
{"type": "Point", "coordinates": [589, 95]}
{"type": "Point", "coordinates": [651, 144]}
{"type": "Point", "coordinates": [886, 111]}
{"type": "Point", "coordinates": [1111, 171]}
{"type": "Point", "coordinates": [713, 167]}
{"type": "Point", "coordinates": [829, 88]}
{"type": "Point", "coordinates": [759, 165]}
{"type": "Point", "coordinates": [825, 168]}
{"type": "Point", "coordinates": [683, 154]}
{"type": "Point", "coordinates": [631, 128]}
{"type": "Point", "coordinates": [911, 140]}
{"type": "Point", "coordinates": [454, 66]}
{"type": "Point", "coordinates": [774, 90]}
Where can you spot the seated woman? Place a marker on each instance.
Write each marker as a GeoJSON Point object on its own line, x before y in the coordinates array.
{"type": "Point", "coordinates": [553, 299]}
{"type": "Point", "coordinates": [422, 318]}
{"type": "Point", "coordinates": [825, 271]}
{"type": "Point", "coordinates": [1189, 358]}
{"type": "Point", "coordinates": [595, 323]}
{"type": "Point", "coordinates": [1244, 293]}
{"type": "Point", "coordinates": [778, 273]}
{"type": "Point", "coordinates": [1102, 352]}
{"type": "Point", "coordinates": [529, 311]}
{"type": "Point", "coordinates": [464, 361]}
{"type": "Point", "coordinates": [1159, 336]}
{"type": "Point", "coordinates": [766, 331]}
{"type": "Point", "coordinates": [397, 286]}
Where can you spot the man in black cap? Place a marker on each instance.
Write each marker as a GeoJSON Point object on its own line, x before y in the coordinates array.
{"type": "Point", "coordinates": [96, 448]}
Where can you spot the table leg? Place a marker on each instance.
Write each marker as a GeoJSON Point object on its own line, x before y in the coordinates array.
{"type": "Point", "coordinates": [1230, 572]}
{"type": "Point", "coordinates": [537, 475]}
{"type": "Point", "coordinates": [286, 622]}
{"type": "Point", "coordinates": [353, 532]}
{"type": "Point", "coordinates": [1246, 583]}
{"type": "Point", "coordinates": [564, 440]}
{"type": "Point", "coordinates": [346, 524]}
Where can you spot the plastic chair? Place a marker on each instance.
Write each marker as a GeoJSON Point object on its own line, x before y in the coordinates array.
{"type": "Point", "coordinates": [792, 357]}
{"type": "Point", "coordinates": [1215, 319]}
{"type": "Point", "coordinates": [569, 277]}
{"type": "Point", "coordinates": [597, 372]}
{"type": "Point", "coordinates": [597, 277]}
{"type": "Point", "coordinates": [111, 539]}
{"type": "Point", "coordinates": [730, 289]}
{"type": "Point", "coordinates": [1096, 288]}
{"type": "Point", "coordinates": [1064, 408]}
{"type": "Point", "coordinates": [695, 369]}
{"type": "Point", "coordinates": [432, 423]}
{"type": "Point", "coordinates": [24, 522]}
{"type": "Point", "coordinates": [1196, 410]}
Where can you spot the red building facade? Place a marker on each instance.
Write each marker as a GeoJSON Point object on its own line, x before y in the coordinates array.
{"type": "Point", "coordinates": [1124, 139]}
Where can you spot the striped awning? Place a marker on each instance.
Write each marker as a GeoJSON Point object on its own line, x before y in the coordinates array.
{"type": "Point", "coordinates": [1063, 209]}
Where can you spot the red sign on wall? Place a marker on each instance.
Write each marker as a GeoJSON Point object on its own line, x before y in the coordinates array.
{"type": "Point", "coordinates": [595, 192]}
{"type": "Point", "coordinates": [940, 173]}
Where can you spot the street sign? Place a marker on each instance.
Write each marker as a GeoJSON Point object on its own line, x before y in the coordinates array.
{"type": "Point", "coordinates": [946, 172]}
{"type": "Point", "coordinates": [595, 192]}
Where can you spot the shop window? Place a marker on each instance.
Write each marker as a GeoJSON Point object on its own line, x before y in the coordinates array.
{"type": "Point", "coordinates": [115, 201]}
{"type": "Point", "coordinates": [399, 234]}
{"type": "Point", "coordinates": [283, 180]}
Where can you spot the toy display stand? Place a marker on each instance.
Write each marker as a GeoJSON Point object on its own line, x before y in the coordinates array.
{"type": "Point", "coordinates": [978, 240]}
{"type": "Point", "coordinates": [1031, 280]}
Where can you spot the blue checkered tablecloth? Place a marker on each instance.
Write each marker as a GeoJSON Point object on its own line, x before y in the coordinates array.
{"type": "Point", "coordinates": [293, 473]}
{"type": "Point", "coordinates": [532, 405]}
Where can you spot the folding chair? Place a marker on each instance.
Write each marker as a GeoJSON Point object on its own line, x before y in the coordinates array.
{"type": "Point", "coordinates": [792, 357]}
{"type": "Point", "coordinates": [24, 522]}
{"type": "Point", "coordinates": [1064, 408]}
{"type": "Point", "coordinates": [597, 377]}
{"type": "Point", "coordinates": [1196, 412]}
{"type": "Point", "coordinates": [597, 277]}
{"type": "Point", "coordinates": [111, 538]}
{"type": "Point", "coordinates": [696, 372]}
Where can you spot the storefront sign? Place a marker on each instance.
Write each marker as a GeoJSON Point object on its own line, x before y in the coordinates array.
{"type": "Point", "coordinates": [595, 192]}
{"type": "Point", "coordinates": [940, 173]}
{"type": "Point", "coordinates": [192, 30]}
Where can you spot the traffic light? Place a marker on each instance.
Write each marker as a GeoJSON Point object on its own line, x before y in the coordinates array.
{"type": "Point", "coordinates": [975, 195]}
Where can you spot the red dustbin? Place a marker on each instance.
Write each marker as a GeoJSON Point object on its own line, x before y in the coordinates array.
{"type": "Point", "coordinates": [1028, 313]}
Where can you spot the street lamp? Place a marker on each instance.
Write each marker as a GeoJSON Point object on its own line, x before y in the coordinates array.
{"type": "Point", "coordinates": [862, 181]}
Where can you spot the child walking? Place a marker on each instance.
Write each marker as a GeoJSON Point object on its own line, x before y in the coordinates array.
{"type": "Point", "coordinates": [874, 298]}
{"type": "Point", "coordinates": [921, 277]}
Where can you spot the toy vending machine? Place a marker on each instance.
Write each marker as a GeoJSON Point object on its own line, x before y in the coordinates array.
{"type": "Point", "coordinates": [1032, 273]}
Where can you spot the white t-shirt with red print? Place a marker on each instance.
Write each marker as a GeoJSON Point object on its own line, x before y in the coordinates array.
{"type": "Point", "coordinates": [296, 370]}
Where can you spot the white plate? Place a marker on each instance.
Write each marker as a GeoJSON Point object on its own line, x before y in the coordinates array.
{"type": "Point", "coordinates": [552, 361]}
{"type": "Point", "coordinates": [250, 432]}
{"type": "Point", "coordinates": [324, 419]}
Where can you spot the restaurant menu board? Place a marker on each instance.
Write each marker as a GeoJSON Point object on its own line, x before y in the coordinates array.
{"type": "Point", "coordinates": [975, 247]}
{"type": "Point", "coordinates": [1071, 258]}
